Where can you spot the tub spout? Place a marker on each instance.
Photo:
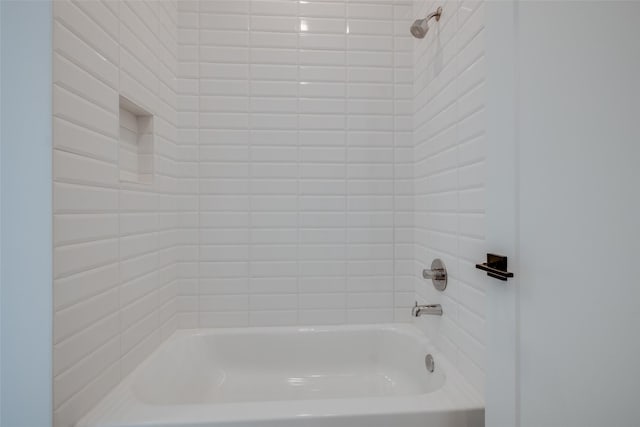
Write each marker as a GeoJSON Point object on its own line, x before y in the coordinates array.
{"type": "Point", "coordinates": [432, 309]}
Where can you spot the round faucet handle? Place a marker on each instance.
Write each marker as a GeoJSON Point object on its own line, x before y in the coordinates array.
{"type": "Point", "coordinates": [437, 274]}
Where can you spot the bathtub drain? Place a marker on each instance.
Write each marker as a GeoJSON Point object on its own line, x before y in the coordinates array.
{"type": "Point", "coordinates": [429, 363]}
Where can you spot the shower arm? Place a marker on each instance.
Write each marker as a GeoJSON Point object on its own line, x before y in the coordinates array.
{"type": "Point", "coordinates": [437, 14]}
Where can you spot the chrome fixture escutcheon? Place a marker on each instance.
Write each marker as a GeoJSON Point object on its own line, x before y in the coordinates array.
{"type": "Point", "coordinates": [437, 274]}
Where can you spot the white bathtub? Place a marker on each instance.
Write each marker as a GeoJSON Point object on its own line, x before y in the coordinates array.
{"type": "Point", "coordinates": [343, 376]}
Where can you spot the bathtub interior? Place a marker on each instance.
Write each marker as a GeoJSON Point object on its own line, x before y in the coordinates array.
{"type": "Point", "coordinates": [308, 364]}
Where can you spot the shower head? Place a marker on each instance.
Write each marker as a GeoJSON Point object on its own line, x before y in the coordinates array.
{"type": "Point", "coordinates": [420, 27]}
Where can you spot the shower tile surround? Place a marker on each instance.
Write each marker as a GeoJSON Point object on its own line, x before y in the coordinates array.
{"type": "Point", "coordinates": [291, 142]}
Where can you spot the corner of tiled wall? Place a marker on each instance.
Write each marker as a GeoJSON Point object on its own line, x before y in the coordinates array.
{"type": "Point", "coordinates": [188, 106]}
{"type": "Point", "coordinates": [449, 178]}
{"type": "Point", "coordinates": [403, 162]}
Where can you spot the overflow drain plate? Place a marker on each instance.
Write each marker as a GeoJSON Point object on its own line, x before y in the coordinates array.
{"type": "Point", "coordinates": [429, 363]}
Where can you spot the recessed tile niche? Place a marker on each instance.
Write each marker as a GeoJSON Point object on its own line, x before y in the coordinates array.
{"type": "Point", "coordinates": [136, 143]}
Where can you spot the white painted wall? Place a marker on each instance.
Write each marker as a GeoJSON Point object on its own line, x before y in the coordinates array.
{"type": "Point", "coordinates": [502, 388]}
{"type": "Point", "coordinates": [579, 205]}
{"type": "Point", "coordinates": [449, 132]}
{"type": "Point", "coordinates": [116, 244]}
{"type": "Point", "coordinates": [1, 269]}
{"type": "Point", "coordinates": [298, 119]}
{"type": "Point", "coordinates": [25, 267]}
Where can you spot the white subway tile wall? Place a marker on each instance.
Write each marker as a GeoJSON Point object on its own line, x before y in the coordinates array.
{"type": "Point", "coordinates": [116, 243]}
{"type": "Point", "coordinates": [450, 152]}
{"type": "Point", "coordinates": [298, 115]}
{"type": "Point", "coordinates": [310, 158]}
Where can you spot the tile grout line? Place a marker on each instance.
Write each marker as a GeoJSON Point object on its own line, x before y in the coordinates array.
{"type": "Point", "coordinates": [299, 165]}
{"type": "Point", "coordinates": [199, 193]}
{"type": "Point", "coordinates": [346, 134]}
{"type": "Point", "coordinates": [393, 163]}
{"type": "Point", "coordinates": [250, 160]}
{"type": "Point", "coordinates": [118, 207]}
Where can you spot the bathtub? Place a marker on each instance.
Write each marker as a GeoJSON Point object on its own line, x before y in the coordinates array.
{"type": "Point", "coordinates": [342, 376]}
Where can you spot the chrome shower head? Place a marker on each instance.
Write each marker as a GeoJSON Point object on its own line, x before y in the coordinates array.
{"type": "Point", "coordinates": [420, 27]}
